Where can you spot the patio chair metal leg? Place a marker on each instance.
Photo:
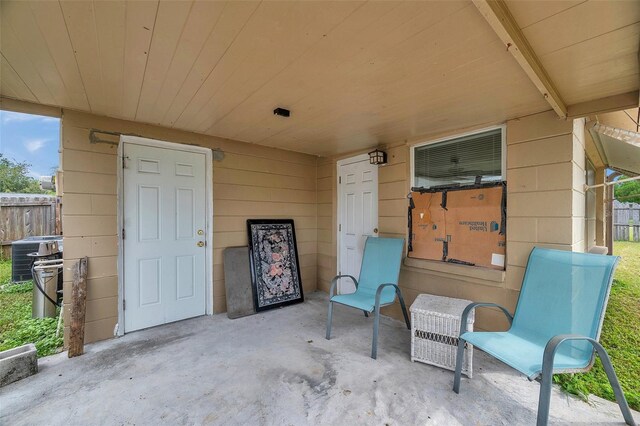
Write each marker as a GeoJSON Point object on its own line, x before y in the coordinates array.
{"type": "Point", "coordinates": [376, 325]}
{"type": "Point", "coordinates": [404, 311]}
{"type": "Point", "coordinates": [545, 394]}
{"type": "Point", "coordinates": [329, 318]}
{"type": "Point", "coordinates": [459, 359]}
{"type": "Point", "coordinates": [615, 384]}
{"type": "Point", "coordinates": [366, 314]}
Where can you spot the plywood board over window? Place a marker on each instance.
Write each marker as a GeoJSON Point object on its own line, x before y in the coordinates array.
{"type": "Point", "coordinates": [462, 226]}
{"type": "Point", "coordinates": [428, 226]}
{"type": "Point", "coordinates": [475, 223]}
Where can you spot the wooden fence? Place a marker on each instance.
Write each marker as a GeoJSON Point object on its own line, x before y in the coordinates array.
{"type": "Point", "coordinates": [621, 232]}
{"type": "Point", "coordinates": [26, 215]}
{"type": "Point", "coordinates": [626, 219]}
{"type": "Point", "coordinates": [625, 214]}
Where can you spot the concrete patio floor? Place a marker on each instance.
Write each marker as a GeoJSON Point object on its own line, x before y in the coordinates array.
{"type": "Point", "coordinates": [277, 368]}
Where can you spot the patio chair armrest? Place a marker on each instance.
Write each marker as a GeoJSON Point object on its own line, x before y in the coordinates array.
{"type": "Point", "coordinates": [472, 306]}
{"type": "Point", "coordinates": [381, 287]}
{"type": "Point", "coordinates": [552, 347]}
{"type": "Point", "coordinates": [334, 282]}
{"type": "Point", "coordinates": [555, 341]}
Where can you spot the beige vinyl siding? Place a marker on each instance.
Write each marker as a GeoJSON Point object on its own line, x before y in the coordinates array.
{"type": "Point", "coordinates": [393, 188]}
{"type": "Point", "coordinates": [540, 167]}
{"type": "Point", "coordinates": [326, 186]}
{"type": "Point", "coordinates": [251, 182]}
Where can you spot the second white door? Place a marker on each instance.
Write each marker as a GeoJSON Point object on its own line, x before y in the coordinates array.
{"type": "Point", "coordinates": [165, 235]}
{"type": "Point", "coordinates": [357, 215]}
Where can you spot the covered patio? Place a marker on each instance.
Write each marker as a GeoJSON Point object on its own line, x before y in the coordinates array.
{"type": "Point", "coordinates": [279, 370]}
{"type": "Point", "coordinates": [269, 110]}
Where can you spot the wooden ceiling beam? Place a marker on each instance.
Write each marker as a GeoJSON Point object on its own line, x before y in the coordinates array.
{"type": "Point", "coordinates": [603, 105]}
{"type": "Point", "coordinates": [25, 107]}
{"type": "Point", "coordinates": [503, 23]}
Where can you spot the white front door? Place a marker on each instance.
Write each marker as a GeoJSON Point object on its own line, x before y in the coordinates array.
{"type": "Point", "coordinates": [357, 217]}
{"type": "Point", "coordinates": [164, 213]}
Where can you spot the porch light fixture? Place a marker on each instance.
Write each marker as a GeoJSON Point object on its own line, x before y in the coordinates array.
{"type": "Point", "coordinates": [377, 157]}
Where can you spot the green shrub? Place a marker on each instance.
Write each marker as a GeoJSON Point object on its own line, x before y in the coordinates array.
{"type": "Point", "coordinates": [40, 331]}
{"type": "Point", "coordinates": [16, 288]}
{"type": "Point", "coordinates": [18, 328]}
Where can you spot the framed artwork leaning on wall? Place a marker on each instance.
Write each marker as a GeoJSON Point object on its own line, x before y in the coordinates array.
{"type": "Point", "coordinates": [275, 270]}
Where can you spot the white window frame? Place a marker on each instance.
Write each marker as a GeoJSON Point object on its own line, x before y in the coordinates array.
{"type": "Point", "coordinates": [503, 134]}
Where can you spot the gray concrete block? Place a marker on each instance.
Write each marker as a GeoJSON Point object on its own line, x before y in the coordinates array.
{"type": "Point", "coordinates": [237, 282]}
{"type": "Point", "coordinates": [18, 363]}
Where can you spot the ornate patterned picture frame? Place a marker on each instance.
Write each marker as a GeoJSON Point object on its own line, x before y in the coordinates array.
{"type": "Point", "coordinates": [275, 270]}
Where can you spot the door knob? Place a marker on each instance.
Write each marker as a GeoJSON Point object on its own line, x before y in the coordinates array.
{"type": "Point", "coordinates": [200, 243]}
{"type": "Point", "coordinates": [375, 230]}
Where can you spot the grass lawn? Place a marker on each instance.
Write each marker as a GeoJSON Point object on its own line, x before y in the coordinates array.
{"type": "Point", "coordinates": [620, 334]}
{"type": "Point", "coordinates": [16, 325]}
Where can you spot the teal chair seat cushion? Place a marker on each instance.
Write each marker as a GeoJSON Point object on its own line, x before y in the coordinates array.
{"type": "Point", "coordinates": [524, 352]}
{"type": "Point", "coordinates": [365, 300]}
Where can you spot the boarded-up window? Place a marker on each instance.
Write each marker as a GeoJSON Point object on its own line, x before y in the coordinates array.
{"type": "Point", "coordinates": [464, 226]}
{"type": "Point", "coordinates": [459, 160]}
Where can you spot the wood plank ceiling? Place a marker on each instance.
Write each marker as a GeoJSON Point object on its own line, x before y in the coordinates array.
{"type": "Point", "coordinates": [588, 48]}
{"type": "Point", "coordinates": [355, 74]}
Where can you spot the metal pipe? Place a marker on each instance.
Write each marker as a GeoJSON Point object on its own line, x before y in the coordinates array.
{"type": "Point", "coordinates": [44, 261]}
{"type": "Point", "coordinates": [45, 267]}
{"type": "Point", "coordinates": [588, 187]}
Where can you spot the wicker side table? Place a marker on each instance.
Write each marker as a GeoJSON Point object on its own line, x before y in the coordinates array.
{"type": "Point", "coordinates": [435, 327]}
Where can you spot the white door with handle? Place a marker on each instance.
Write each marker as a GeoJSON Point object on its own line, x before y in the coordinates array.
{"type": "Point", "coordinates": [357, 215]}
{"type": "Point", "coordinates": [164, 230]}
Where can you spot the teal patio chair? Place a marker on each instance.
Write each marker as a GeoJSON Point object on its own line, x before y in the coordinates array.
{"type": "Point", "coordinates": [556, 325]}
{"type": "Point", "coordinates": [377, 285]}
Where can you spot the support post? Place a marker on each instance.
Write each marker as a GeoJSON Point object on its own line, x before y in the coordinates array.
{"type": "Point", "coordinates": [609, 209]}
{"type": "Point", "coordinates": [78, 308]}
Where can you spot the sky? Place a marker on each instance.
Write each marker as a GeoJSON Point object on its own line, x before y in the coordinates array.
{"type": "Point", "coordinates": [33, 139]}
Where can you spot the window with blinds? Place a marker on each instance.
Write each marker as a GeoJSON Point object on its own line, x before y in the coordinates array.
{"type": "Point", "coordinates": [459, 160]}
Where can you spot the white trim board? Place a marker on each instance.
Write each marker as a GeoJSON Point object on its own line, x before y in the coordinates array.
{"type": "Point", "coordinates": [120, 331]}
